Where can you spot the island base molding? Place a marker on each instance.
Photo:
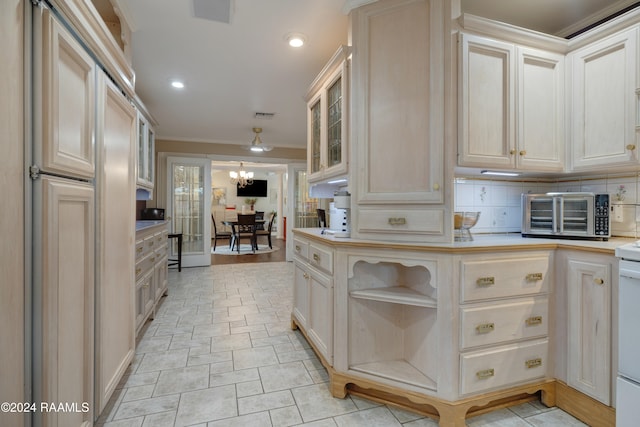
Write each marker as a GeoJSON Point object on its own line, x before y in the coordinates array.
{"type": "Point", "coordinates": [550, 392]}
{"type": "Point", "coordinates": [583, 407]}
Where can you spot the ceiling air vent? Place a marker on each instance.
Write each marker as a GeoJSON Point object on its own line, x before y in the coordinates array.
{"type": "Point", "coordinates": [213, 10]}
{"type": "Point", "coordinates": [265, 116]}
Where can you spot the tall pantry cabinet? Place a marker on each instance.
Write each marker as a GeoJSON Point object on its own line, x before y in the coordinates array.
{"type": "Point", "coordinates": [83, 225]}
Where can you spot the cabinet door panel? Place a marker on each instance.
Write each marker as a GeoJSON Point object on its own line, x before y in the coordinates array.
{"type": "Point", "coordinates": [399, 92]}
{"type": "Point", "coordinates": [301, 294]}
{"type": "Point", "coordinates": [589, 328]}
{"type": "Point", "coordinates": [603, 104]}
{"type": "Point", "coordinates": [540, 110]}
{"type": "Point", "coordinates": [115, 341]}
{"type": "Point", "coordinates": [66, 298]}
{"type": "Point", "coordinates": [321, 319]}
{"type": "Point", "coordinates": [487, 102]}
{"type": "Point", "coordinates": [67, 75]}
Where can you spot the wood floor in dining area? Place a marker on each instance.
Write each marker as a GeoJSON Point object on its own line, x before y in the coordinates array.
{"type": "Point", "coordinates": [276, 256]}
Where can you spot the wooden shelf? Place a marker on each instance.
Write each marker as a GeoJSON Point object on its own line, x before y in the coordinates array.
{"type": "Point", "coordinates": [395, 295]}
{"type": "Point", "coordinates": [396, 370]}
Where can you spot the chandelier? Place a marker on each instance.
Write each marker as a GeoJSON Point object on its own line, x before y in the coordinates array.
{"type": "Point", "coordinates": [242, 177]}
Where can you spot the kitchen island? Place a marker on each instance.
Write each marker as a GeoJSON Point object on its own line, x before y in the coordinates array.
{"type": "Point", "coordinates": [453, 330]}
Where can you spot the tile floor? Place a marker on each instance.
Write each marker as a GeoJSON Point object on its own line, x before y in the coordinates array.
{"type": "Point", "coordinates": [220, 353]}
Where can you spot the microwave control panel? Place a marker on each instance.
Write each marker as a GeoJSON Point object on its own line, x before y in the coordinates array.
{"type": "Point", "coordinates": [601, 216]}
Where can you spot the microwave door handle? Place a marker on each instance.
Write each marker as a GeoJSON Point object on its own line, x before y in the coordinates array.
{"type": "Point", "coordinates": [554, 215]}
{"type": "Point", "coordinates": [560, 218]}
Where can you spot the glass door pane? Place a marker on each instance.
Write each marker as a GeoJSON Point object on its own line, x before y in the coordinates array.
{"type": "Point", "coordinates": [334, 124]}
{"type": "Point", "coordinates": [190, 209]}
{"type": "Point", "coordinates": [315, 137]}
{"type": "Point", "coordinates": [305, 215]}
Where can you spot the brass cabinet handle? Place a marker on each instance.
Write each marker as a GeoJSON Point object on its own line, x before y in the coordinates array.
{"type": "Point", "coordinates": [297, 248]}
{"type": "Point", "coordinates": [512, 152]}
{"type": "Point", "coordinates": [523, 153]}
{"type": "Point", "coordinates": [631, 147]}
{"type": "Point", "coordinates": [152, 259]}
{"type": "Point", "coordinates": [436, 187]}
{"type": "Point", "coordinates": [533, 320]}
{"type": "Point", "coordinates": [598, 281]}
{"type": "Point", "coordinates": [486, 281]}
{"type": "Point", "coordinates": [397, 221]}
{"type": "Point", "coordinates": [534, 277]}
{"type": "Point", "coordinates": [138, 270]}
{"type": "Point", "coordinates": [485, 328]}
{"type": "Point", "coordinates": [139, 249]}
{"type": "Point", "coordinates": [316, 257]}
{"type": "Point", "coordinates": [305, 275]}
{"type": "Point", "coordinates": [485, 373]}
{"type": "Point", "coordinates": [532, 363]}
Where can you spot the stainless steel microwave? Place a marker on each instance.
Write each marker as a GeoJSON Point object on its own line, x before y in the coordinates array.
{"type": "Point", "coordinates": [566, 215]}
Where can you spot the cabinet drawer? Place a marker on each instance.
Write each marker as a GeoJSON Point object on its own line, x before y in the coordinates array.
{"type": "Point", "coordinates": [144, 265]}
{"type": "Point", "coordinates": [301, 248]}
{"type": "Point", "coordinates": [392, 221]}
{"type": "Point", "coordinates": [498, 323]}
{"type": "Point", "coordinates": [321, 257]}
{"type": "Point", "coordinates": [150, 243]}
{"type": "Point", "coordinates": [140, 252]}
{"type": "Point", "coordinates": [490, 369]}
{"type": "Point", "coordinates": [160, 238]}
{"type": "Point", "coordinates": [504, 277]}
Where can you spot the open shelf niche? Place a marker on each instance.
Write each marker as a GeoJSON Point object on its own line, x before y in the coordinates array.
{"type": "Point", "coordinates": [392, 320]}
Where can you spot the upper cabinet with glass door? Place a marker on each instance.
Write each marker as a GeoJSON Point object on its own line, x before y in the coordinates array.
{"type": "Point", "coordinates": [146, 153]}
{"type": "Point", "coordinates": [327, 109]}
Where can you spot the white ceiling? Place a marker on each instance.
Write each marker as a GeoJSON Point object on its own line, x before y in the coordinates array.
{"type": "Point", "coordinates": [233, 70]}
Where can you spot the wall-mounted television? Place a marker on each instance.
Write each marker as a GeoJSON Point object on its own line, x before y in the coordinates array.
{"type": "Point", "coordinates": [257, 189]}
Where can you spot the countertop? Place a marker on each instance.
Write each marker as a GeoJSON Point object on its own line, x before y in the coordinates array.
{"type": "Point", "coordinates": [480, 243]}
{"type": "Point", "coordinates": [141, 225]}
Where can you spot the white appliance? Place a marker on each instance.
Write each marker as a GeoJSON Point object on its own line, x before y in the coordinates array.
{"type": "Point", "coordinates": [339, 215]}
{"type": "Point", "coordinates": [628, 382]}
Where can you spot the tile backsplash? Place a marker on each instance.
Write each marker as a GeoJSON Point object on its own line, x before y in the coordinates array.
{"type": "Point", "coordinates": [498, 201]}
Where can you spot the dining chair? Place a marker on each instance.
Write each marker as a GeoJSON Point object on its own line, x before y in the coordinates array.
{"type": "Point", "coordinates": [322, 218]}
{"type": "Point", "coordinates": [245, 227]}
{"type": "Point", "coordinates": [259, 216]}
{"type": "Point", "coordinates": [266, 232]}
{"type": "Point", "coordinates": [219, 235]}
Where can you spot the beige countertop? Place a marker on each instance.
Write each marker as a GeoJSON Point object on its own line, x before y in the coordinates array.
{"type": "Point", "coordinates": [480, 243]}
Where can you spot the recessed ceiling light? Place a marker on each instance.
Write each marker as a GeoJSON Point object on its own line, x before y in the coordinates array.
{"type": "Point", "coordinates": [177, 84]}
{"type": "Point", "coordinates": [295, 39]}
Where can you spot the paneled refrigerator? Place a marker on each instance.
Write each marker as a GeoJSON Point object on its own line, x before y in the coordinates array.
{"type": "Point", "coordinates": [82, 169]}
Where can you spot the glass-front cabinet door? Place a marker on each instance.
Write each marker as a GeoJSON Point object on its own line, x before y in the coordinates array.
{"type": "Point", "coordinates": [327, 119]}
{"type": "Point", "coordinates": [146, 153]}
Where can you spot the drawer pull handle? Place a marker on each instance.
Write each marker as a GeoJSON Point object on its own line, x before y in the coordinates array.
{"type": "Point", "coordinates": [485, 373]}
{"type": "Point", "coordinates": [397, 221]}
{"type": "Point", "coordinates": [486, 281]}
{"type": "Point", "coordinates": [532, 363]}
{"type": "Point", "coordinates": [534, 277]}
{"type": "Point", "coordinates": [534, 320]}
{"type": "Point", "coordinates": [631, 147]}
{"type": "Point", "coordinates": [316, 257]}
{"type": "Point", "coordinates": [297, 248]}
{"type": "Point", "coordinates": [485, 328]}
{"type": "Point", "coordinates": [139, 249]}
{"type": "Point", "coordinates": [523, 153]}
{"type": "Point", "coordinates": [598, 281]}
{"type": "Point", "coordinates": [138, 270]}
{"type": "Point", "coordinates": [152, 259]}
{"type": "Point", "coordinates": [305, 275]}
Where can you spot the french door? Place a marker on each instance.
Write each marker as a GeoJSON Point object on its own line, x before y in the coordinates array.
{"type": "Point", "coordinates": [189, 208]}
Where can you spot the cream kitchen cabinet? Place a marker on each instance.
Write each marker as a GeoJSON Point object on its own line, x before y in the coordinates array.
{"type": "Point", "coordinates": [151, 270]}
{"type": "Point", "coordinates": [504, 320]}
{"type": "Point", "coordinates": [604, 100]}
{"type": "Point", "coordinates": [313, 294]}
{"type": "Point", "coordinates": [145, 169]}
{"type": "Point", "coordinates": [511, 106]}
{"type": "Point", "coordinates": [328, 118]}
{"type": "Point", "coordinates": [591, 280]}
{"type": "Point", "coordinates": [397, 129]}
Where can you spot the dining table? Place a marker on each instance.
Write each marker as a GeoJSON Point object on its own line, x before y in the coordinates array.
{"type": "Point", "coordinates": [233, 224]}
